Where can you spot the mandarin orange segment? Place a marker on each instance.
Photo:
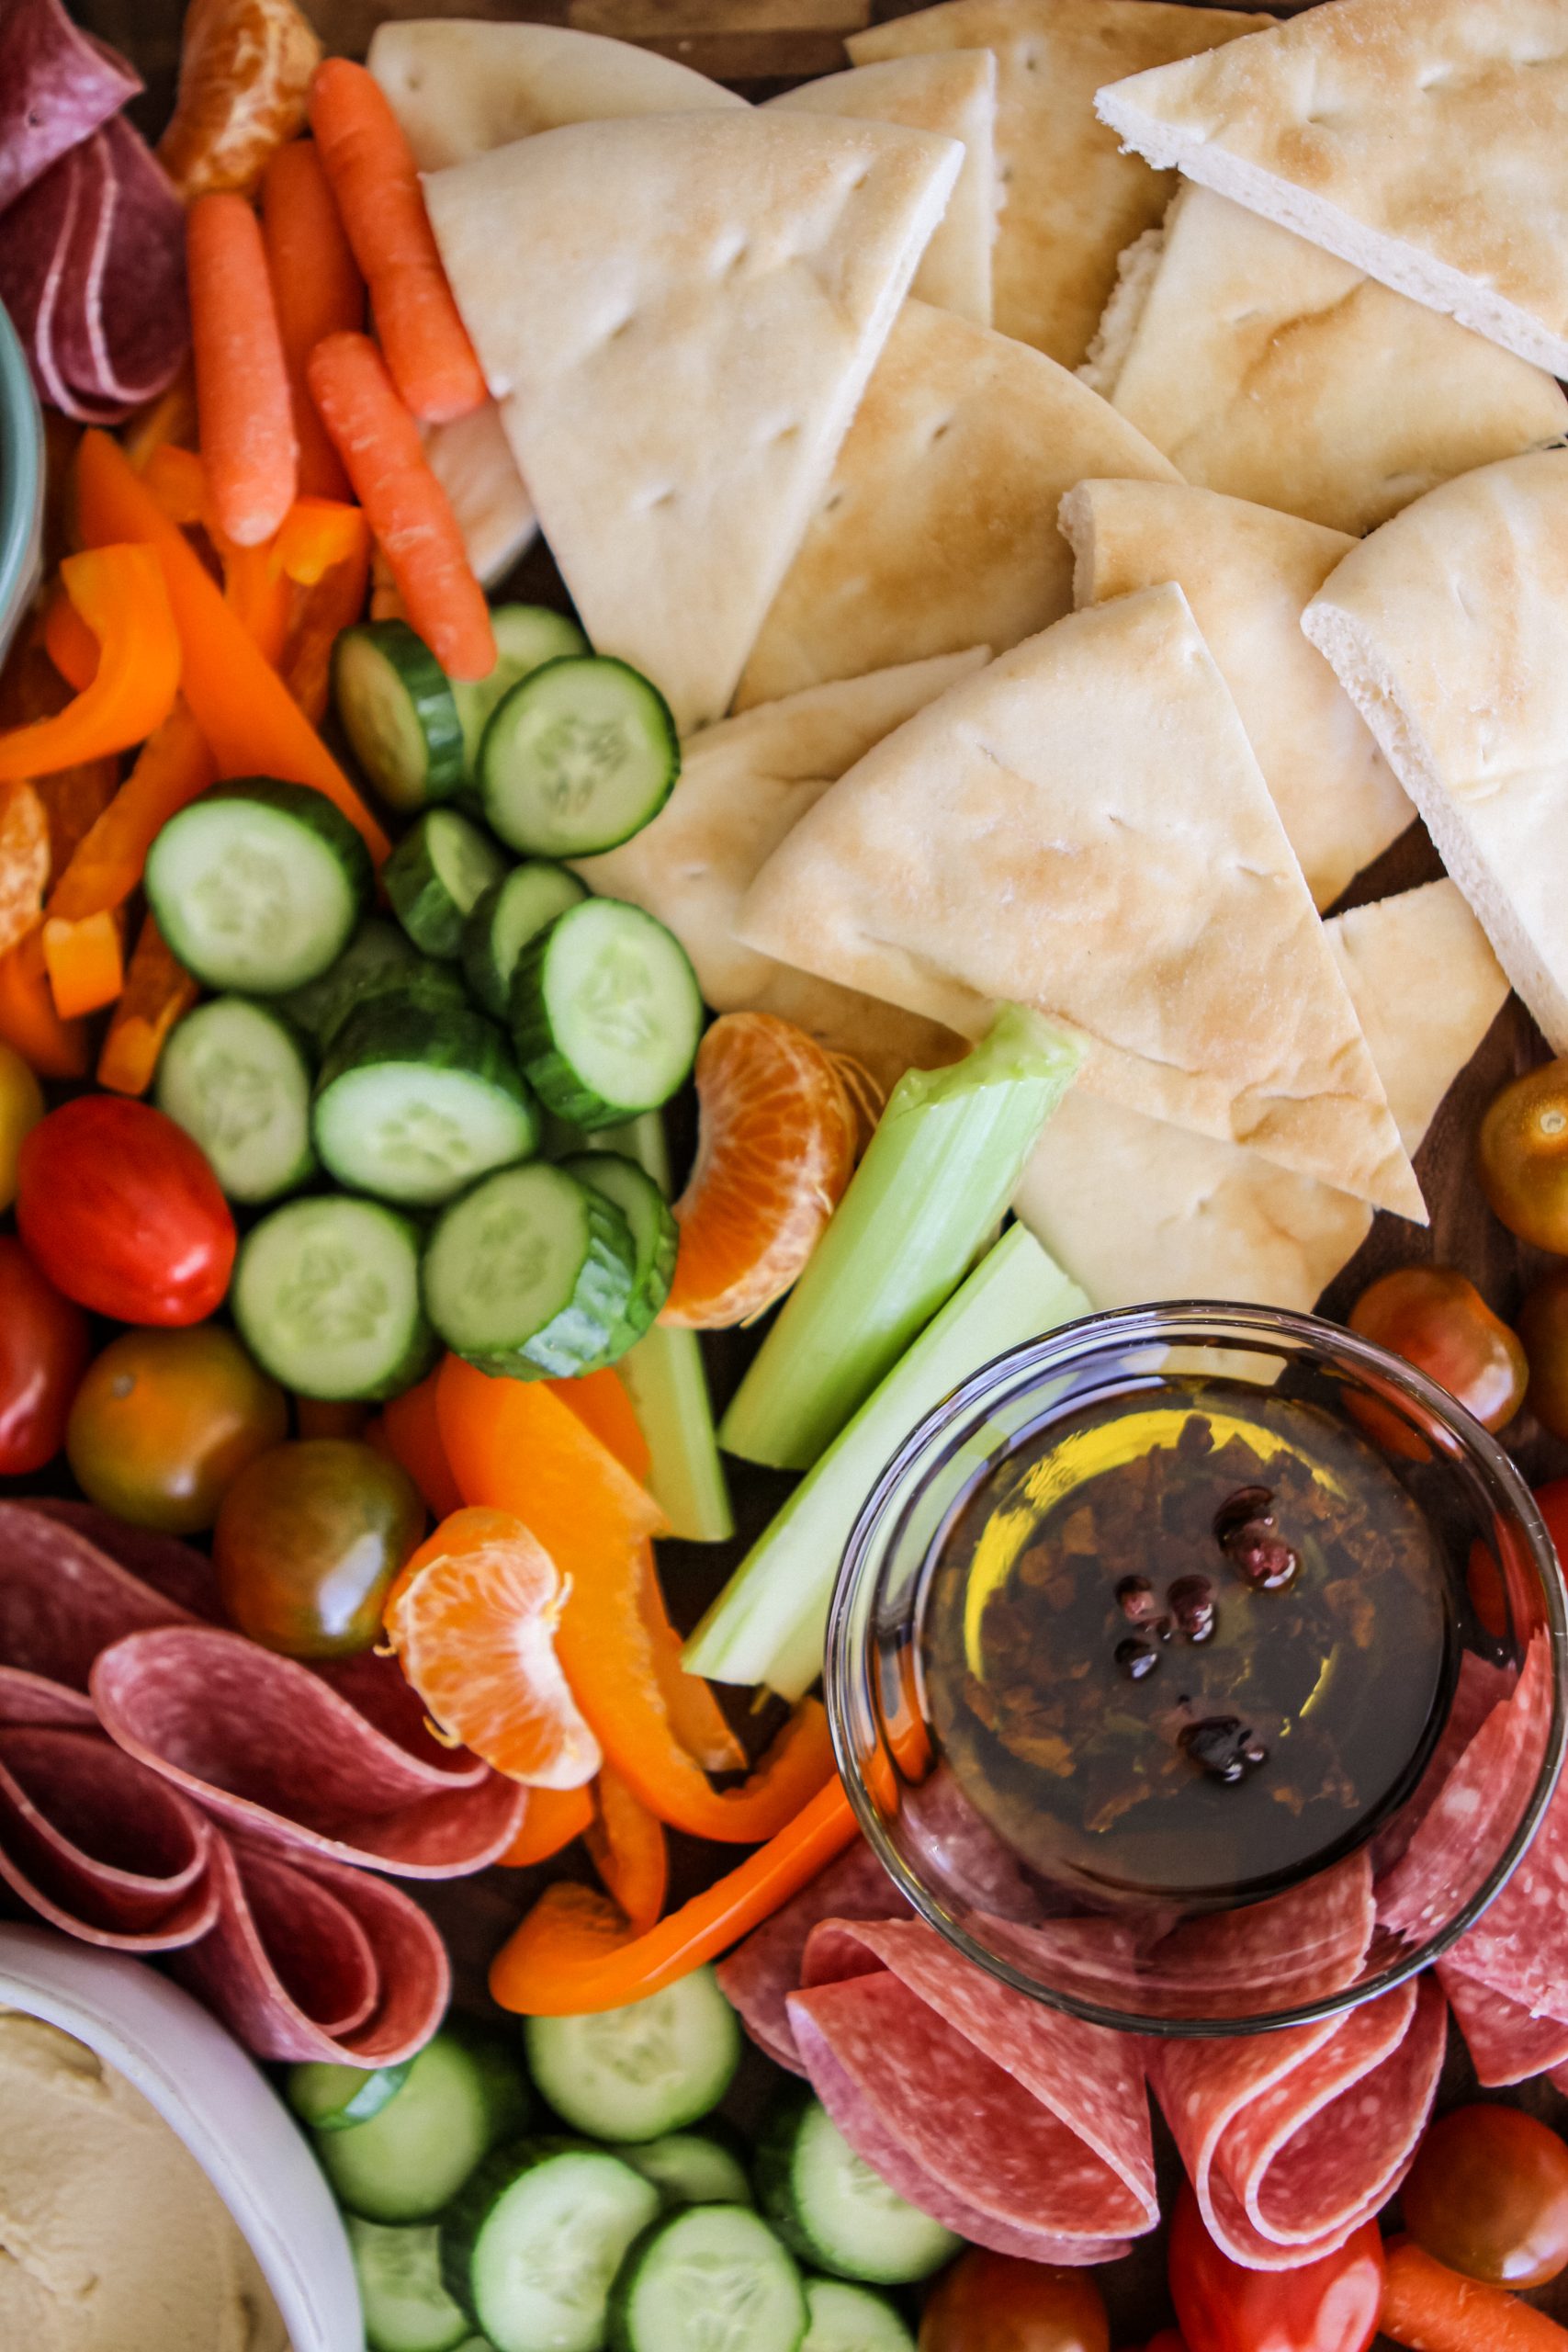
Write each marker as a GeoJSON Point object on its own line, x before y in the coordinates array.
{"type": "Point", "coordinates": [472, 1619]}
{"type": "Point", "coordinates": [245, 69]}
{"type": "Point", "coordinates": [775, 1149]}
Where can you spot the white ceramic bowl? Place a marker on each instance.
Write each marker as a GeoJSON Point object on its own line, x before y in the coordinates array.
{"type": "Point", "coordinates": [208, 2090]}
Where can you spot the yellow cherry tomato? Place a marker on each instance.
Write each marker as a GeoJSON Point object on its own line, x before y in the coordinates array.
{"type": "Point", "coordinates": [164, 1422]}
{"type": "Point", "coordinates": [21, 1108]}
{"type": "Point", "coordinates": [1523, 1153]}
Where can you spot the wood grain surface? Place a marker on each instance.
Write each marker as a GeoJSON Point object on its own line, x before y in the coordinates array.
{"type": "Point", "coordinates": [758, 44]}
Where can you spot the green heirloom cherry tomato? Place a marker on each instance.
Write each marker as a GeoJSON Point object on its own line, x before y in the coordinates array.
{"type": "Point", "coordinates": [1543, 1328]}
{"type": "Point", "coordinates": [1523, 1153]}
{"type": "Point", "coordinates": [43, 1352]}
{"type": "Point", "coordinates": [307, 1541]}
{"type": "Point", "coordinates": [992, 2302]}
{"type": "Point", "coordinates": [1327, 2306]}
{"type": "Point", "coordinates": [1488, 2195]}
{"type": "Point", "coordinates": [123, 1213]}
{"type": "Point", "coordinates": [165, 1419]}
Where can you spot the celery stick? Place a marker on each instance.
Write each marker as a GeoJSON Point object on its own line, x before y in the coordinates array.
{"type": "Point", "coordinates": [667, 1385]}
{"type": "Point", "coordinates": [767, 1625]}
{"type": "Point", "coordinates": [937, 1176]}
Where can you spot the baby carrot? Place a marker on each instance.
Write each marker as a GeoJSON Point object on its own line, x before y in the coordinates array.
{"type": "Point", "coordinates": [374, 178]}
{"type": "Point", "coordinates": [317, 288]}
{"type": "Point", "coordinates": [242, 383]}
{"type": "Point", "coordinates": [1432, 2309]}
{"type": "Point", "coordinates": [406, 507]}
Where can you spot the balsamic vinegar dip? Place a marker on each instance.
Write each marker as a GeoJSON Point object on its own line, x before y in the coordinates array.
{"type": "Point", "coordinates": [1189, 1645]}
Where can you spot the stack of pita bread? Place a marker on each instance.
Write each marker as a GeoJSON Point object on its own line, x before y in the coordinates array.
{"type": "Point", "coordinates": [975, 448]}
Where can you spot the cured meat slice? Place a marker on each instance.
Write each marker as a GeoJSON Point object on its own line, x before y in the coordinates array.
{"type": "Point", "coordinates": [1291, 1949]}
{"type": "Point", "coordinates": [100, 1847]}
{"type": "Point", "coordinates": [57, 85]}
{"type": "Point", "coordinates": [759, 1975]}
{"type": "Point", "coordinates": [122, 327]}
{"type": "Point", "coordinates": [376, 1689]}
{"type": "Point", "coordinates": [62, 1599]}
{"type": "Point", "coordinates": [1506, 2043]}
{"type": "Point", "coordinates": [1294, 2139]}
{"type": "Point", "coordinates": [312, 1960]}
{"type": "Point", "coordinates": [177, 1571]}
{"type": "Point", "coordinates": [33, 1699]}
{"type": "Point", "coordinates": [273, 1750]}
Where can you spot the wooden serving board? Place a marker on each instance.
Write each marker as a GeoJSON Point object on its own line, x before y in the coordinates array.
{"type": "Point", "coordinates": [759, 45]}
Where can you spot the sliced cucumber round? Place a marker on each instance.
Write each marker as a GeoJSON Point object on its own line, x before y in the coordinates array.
{"type": "Point", "coordinates": [690, 2168]}
{"type": "Point", "coordinates": [529, 1275]}
{"type": "Point", "coordinates": [234, 1075]}
{"type": "Point", "coordinates": [606, 1013]}
{"type": "Point", "coordinates": [414, 1104]}
{"type": "Point", "coordinates": [852, 2318]}
{"type": "Point", "coordinates": [326, 1295]}
{"type": "Point", "coordinates": [714, 2275]}
{"type": "Point", "coordinates": [526, 636]}
{"type": "Point", "coordinates": [334, 2098]}
{"type": "Point", "coordinates": [406, 2307]}
{"type": "Point", "coordinates": [654, 1232]}
{"type": "Point", "coordinates": [436, 876]}
{"type": "Point", "coordinates": [580, 755]}
{"type": "Point", "coordinates": [511, 913]}
{"type": "Point", "coordinates": [376, 957]}
{"type": "Point", "coordinates": [639, 2072]}
{"type": "Point", "coordinates": [833, 2209]}
{"type": "Point", "coordinates": [257, 885]}
{"type": "Point", "coordinates": [533, 2241]}
{"type": "Point", "coordinates": [408, 2162]}
{"type": "Point", "coordinates": [400, 712]}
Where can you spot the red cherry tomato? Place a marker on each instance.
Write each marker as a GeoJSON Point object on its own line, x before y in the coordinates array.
{"type": "Point", "coordinates": [1327, 2306]}
{"type": "Point", "coordinates": [992, 2302]}
{"type": "Point", "coordinates": [123, 1213]}
{"type": "Point", "coordinates": [1543, 1328]}
{"type": "Point", "coordinates": [1552, 1501]}
{"type": "Point", "coordinates": [1438, 1321]}
{"type": "Point", "coordinates": [1488, 2195]}
{"type": "Point", "coordinates": [43, 1353]}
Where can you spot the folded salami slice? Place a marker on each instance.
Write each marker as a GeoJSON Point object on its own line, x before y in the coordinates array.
{"type": "Point", "coordinates": [1021, 2128]}
{"type": "Point", "coordinates": [1506, 2043]}
{"type": "Point", "coordinates": [99, 1847]}
{"type": "Point", "coordinates": [759, 1975]}
{"type": "Point", "coordinates": [33, 1699]}
{"type": "Point", "coordinates": [1289, 1950]}
{"type": "Point", "coordinates": [276, 1752]}
{"type": "Point", "coordinates": [62, 1598]}
{"type": "Point", "coordinates": [122, 327]}
{"type": "Point", "coordinates": [177, 1571]}
{"type": "Point", "coordinates": [310, 1961]}
{"type": "Point", "coordinates": [1293, 2140]}
{"type": "Point", "coordinates": [57, 85]}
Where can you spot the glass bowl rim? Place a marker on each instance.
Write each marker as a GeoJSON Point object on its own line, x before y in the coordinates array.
{"type": "Point", "coordinates": [21, 474]}
{"type": "Point", "coordinates": [1172, 1323]}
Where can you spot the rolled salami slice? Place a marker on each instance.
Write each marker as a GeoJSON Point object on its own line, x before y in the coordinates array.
{"type": "Point", "coordinates": [98, 1847]}
{"type": "Point", "coordinates": [274, 1751]}
{"type": "Point", "coordinates": [759, 1975]}
{"type": "Point", "coordinates": [1293, 2140]}
{"type": "Point", "coordinates": [62, 1598]}
{"type": "Point", "coordinates": [974, 2100]}
{"type": "Point", "coordinates": [57, 85]}
{"type": "Point", "coordinates": [310, 1961]}
{"type": "Point", "coordinates": [1506, 2043]}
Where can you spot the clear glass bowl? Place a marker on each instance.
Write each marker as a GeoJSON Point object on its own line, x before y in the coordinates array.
{"type": "Point", "coordinates": [21, 483]}
{"type": "Point", "coordinates": [1245, 1966]}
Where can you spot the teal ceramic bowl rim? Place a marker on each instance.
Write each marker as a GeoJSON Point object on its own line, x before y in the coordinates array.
{"type": "Point", "coordinates": [21, 477]}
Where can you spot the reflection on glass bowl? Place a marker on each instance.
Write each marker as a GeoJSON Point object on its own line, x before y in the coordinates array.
{"type": "Point", "coordinates": [21, 483]}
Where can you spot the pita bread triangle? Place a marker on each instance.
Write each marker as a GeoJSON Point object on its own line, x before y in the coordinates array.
{"type": "Point", "coordinates": [1069, 200]}
{"type": "Point", "coordinates": [1082, 827]}
{"type": "Point", "coordinates": [678, 315]}
{"type": "Point", "coordinates": [1138, 1211]}
{"type": "Point", "coordinates": [460, 86]}
{"type": "Point", "coordinates": [1265, 368]}
{"type": "Point", "coordinates": [936, 527]}
{"type": "Point", "coordinates": [1420, 140]}
{"type": "Point", "coordinates": [954, 93]}
{"type": "Point", "coordinates": [745, 785]}
{"type": "Point", "coordinates": [1248, 574]}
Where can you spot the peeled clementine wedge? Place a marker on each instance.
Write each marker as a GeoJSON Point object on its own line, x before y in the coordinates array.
{"type": "Point", "coordinates": [472, 1620]}
{"type": "Point", "coordinates": [775, 1149]}
{"type": "Point", "coordinates": [245, 68]}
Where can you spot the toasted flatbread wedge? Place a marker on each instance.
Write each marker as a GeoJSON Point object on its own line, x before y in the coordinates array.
{"type": "Point", "coordinates": [1136, 1210]}
{"type": "Point", "coordinates": [677, 316]}
{"type": "Point", "coordinates": [1447, 631]}
{"type": "Point", "coordinates": [1267, 369]}
{"type": "Point", "coordinates": [744, 785]}
{"type": "Point", "coordinates": [1421, 140]}
{"type": "Point", "coordinates": [936, 527]}
{"type": "Point", "coordinates": [459, 86]}
{"type": "Point", "coordinates": [1248, 574]}
{"type": "Point", "coordinates": [956, 95]}
{"type": "Point", "coordinates": [1070, 202]}
{"type": "Point", "coordinates": [1082, 827]}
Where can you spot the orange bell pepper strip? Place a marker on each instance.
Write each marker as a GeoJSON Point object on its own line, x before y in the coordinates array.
{"type": "Point", "coordinates": [247, 714]}
{"type": "Point", "coordinates": [600, 1402]}
{"type": "Point", "coordinates": [173, 768]}
{"type": "Point", "coordinates": [177, 479]}
{"type": "Point", "coordinates": [628, 1849]}
{"type": "Point", "coordinates": [515, 1447]}
{"type": "Point", "coordinates": [52, 1047]}
{"type": "Point", "coordinates": [576, 1953]}
{"type": "Point", "coordinates": [411, 1430]}
{"type": "Point", "coordinates": [320, 615]}
{"type": "Point", "coordinates": [70, 643]}
{"type": "Point", "coordinates": [697, 1719]}
{"type": "Point", "coordinates": [158, 992]}
{"type": "Point", "coordinates": [553, 1818]}
{"type": "Point", "coordinates": [85, 962]}
{"type": "Point", "coordinates": [317, 534]}
{"type": "Point", "coordinates": [258, 593]}
{"type": "Point", "coordinates": [169, 421]}
{"type": "Point", "coordinates": [119, 593]}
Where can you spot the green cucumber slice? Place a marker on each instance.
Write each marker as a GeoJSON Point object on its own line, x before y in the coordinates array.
{"type": "Point", "coordinates": [605, 1012]}
{"type": "Point", "coordinates": [400, 712]}
{"type": "Point", "coordinates": [852, 2318]}
{"type": "Point", "coordinates": [502, 923]}
{"type": "Point", "coordinates": [438, 872]}
{"type": "Point", "coordinates": [639, 2072]}
{"type": "Point", "coordinates": [414, 1104]}
{"type": "Point", "coordinates": [533, 2241]}
{"type": "Point", "coordinates": [655, 1234]}
{"type": "Point", "coordinates": [235, 1077]}
{"type": "Point", "coordinates": [690, 2168]}
{"type": "Point", "coordinates": [530, 1274]}
{"type": "Point", "coordinates": [257, 885]}
{"type": "Point", "coordinates": [332, 2098]}
{"type": "Point", "coordinates": [830, 2206]}
{"type": "Point", "coordinates": [714, 2275]}
{"type": "Point", "coordinates": [580, 756]}
{"type": "Point", "coordinates": [377, 955]}
{"type": "Point", "coordinates": [462, 2096]}
{"type": "Point", "coordinates": [526, 636]}
{"type": "Point", "coordinates": [406, 2307]}
{"type": "Point", "coordinates": [326, 1295]}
